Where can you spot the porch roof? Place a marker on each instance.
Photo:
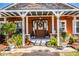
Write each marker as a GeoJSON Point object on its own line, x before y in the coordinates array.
{"type": "Point", "coordinates": [34, 9]}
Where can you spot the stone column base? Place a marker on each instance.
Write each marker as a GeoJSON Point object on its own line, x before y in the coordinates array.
{"type": "Point", "coordinates": [27, 36]}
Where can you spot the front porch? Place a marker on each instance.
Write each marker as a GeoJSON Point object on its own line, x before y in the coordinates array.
{"type": "Point", "coordinates": [52, 23]}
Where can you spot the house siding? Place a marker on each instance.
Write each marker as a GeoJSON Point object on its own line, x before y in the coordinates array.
{"type": "Point", "coordinates": [69, 25]}
{"type": "Point", "coordinates": [69, 21]}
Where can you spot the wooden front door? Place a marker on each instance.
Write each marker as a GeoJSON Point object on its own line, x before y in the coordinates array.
{"type": "Point", "coordinates": [39, 27]}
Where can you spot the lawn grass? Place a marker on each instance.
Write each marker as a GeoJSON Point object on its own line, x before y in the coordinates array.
{"type": "Point", "coordinates": [71, 53]}
{"type": "Point", "coordinates": [10, 54]}
{"type": "Point", "coordinates": [76, 53]}
{"type": "Point", "coordinates": [7, 54]}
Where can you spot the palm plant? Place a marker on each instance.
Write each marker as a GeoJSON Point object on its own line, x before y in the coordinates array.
{"type": "Point", "coordinates": [8, 28]}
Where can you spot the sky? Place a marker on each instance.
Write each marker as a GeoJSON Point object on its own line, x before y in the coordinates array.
{"type": "Point", "coordinates": [75, 4]}
{"type": "Point", "coordinates": [3, 5]}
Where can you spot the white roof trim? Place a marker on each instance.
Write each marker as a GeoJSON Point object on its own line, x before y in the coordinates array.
{"type": "Point", "coordinates": [39, 10]}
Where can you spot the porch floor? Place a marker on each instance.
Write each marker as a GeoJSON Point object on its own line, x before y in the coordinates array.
{"type": "Point", "coordinates": [40, 41]}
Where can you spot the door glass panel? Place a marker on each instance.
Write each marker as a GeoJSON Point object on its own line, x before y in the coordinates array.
{"type": "Point", "coordinates": [34, 25]}
{"type": "Point", "coordinates": [45, 25]}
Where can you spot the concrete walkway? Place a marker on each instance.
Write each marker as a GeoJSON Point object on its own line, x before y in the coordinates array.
{"type": "Point", "coordinates": [39, 48]}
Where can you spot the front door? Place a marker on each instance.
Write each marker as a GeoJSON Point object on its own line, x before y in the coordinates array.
{"type": "Point", "coordinates": [40, 27]}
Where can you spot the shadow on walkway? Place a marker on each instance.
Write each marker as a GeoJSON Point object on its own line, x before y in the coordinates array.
{"type": "Point", "coordinates": [41, 53]}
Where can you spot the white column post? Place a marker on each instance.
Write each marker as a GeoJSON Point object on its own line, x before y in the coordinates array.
{"type": "Point", "coordinates": [58, 14]}
{"type": "Point", "coordinates": [58, 31]}
{"type": "Point", "coordinates": [26, 24]}
{"type": "Point", "coordinates": [4, 19]}
{"type": "Point", "coordinates": [23, 25]}
{"type": "Point", "coordinates": [27, 34]}
{"type": "Point", "coordinates": [74, 25]}
{"type": "Point", "coordinates": [53, 32]}
{"type": "Point", "coordinates": [23, 30]}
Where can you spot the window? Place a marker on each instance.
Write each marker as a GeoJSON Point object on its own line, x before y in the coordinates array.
{"type": "Point", "coordinates": [77, 26]}
{"type": "Point", "coordinates": [1, 23]}
{"type": "Point", "coordinates": [62, 26]}
{"type": "Point", "coordinates": [19, 26]}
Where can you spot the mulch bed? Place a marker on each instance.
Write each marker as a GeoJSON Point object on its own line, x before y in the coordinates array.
{"type": "Point", "coordinates": [2, 47]}
{"type": "Point", "coordinates": [75, 45]}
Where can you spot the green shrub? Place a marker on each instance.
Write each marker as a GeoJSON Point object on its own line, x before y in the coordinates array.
{"type": "Point", "coordinates": [8, 28]}
{"type": "Point", "coordinates": [52, 41]}
{"type": "Point", "coordinates": [18, 39]}
{"type": "Point", "coordinates": [72, 39]}
{"type": "Point", "coordinates": [64, 35]}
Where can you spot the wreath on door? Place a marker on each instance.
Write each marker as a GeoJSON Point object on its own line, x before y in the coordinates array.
{"type": "Point", "coordinates": [40, 23]}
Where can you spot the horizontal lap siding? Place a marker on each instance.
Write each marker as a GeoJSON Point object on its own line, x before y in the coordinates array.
{"type": "Point", "coordinates": [14, 19]}
{"type": "Point", "coordinates": [69, 20]}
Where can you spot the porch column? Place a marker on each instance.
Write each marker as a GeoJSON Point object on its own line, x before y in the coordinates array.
{"type": "Point", "coordinates": [53, 32]}
{"type": "Point", "coordinates": [27, 34]}
{"type": "Point", "coordinates": [58, 31]}
{"type": "Point", "coordinates": [74, 19]}
{"type": "Point", "coordinates": [58, 14]}
{"type": "Point", "coordinates": [5, 20]}
{"type": "Point", "coordinates": [26, 24]}
{"type": "Point", "coordinates": [23, 30]}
